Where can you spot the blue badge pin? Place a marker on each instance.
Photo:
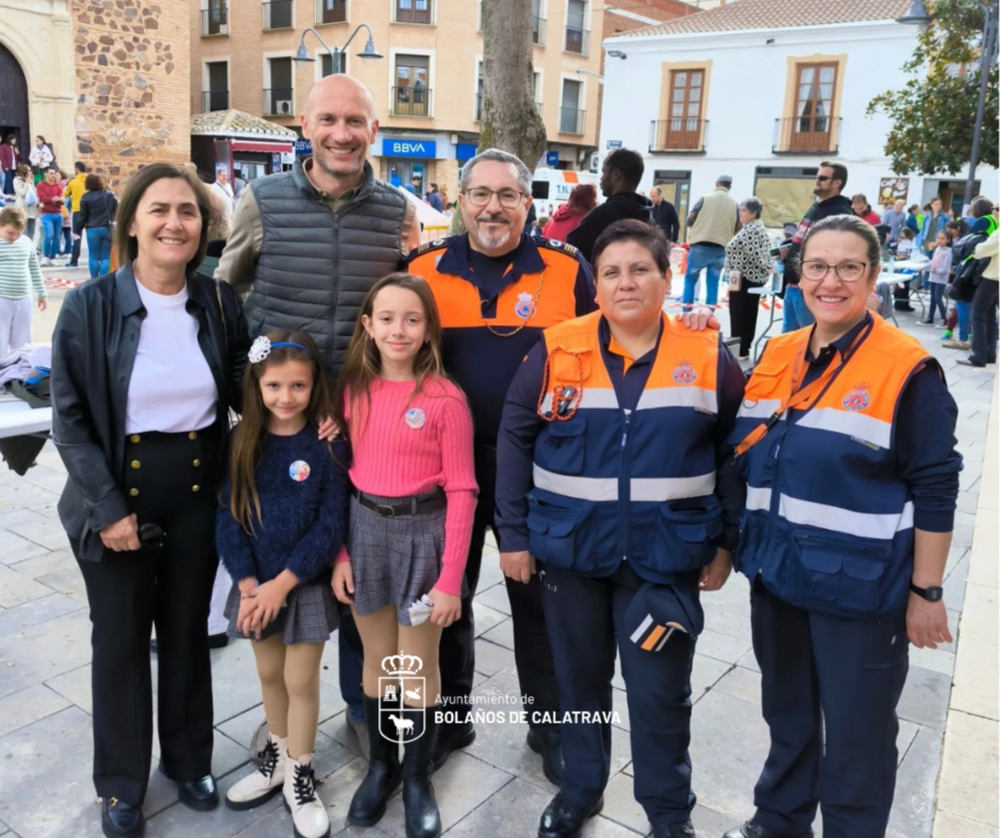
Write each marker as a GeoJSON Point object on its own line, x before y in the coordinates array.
{"type": "Point", "coordinates": [415, 418]}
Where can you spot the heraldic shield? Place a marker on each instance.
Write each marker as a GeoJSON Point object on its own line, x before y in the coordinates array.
{"type": "Point", "coordinates": [400, 684]}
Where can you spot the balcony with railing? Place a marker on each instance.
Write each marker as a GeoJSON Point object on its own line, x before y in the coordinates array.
{"type": "Point", "coordinates": [413, 11]}
{"type": "Point", "coordinates": [215, 21]}
{"type": "Point", "coordinates": [681, 134]}
{"type": "Point", "coordinates": [577, 40]}
{"type": "Point", "coordinates": [279, 101]}
{"type": "Point", "coordinates": [571, 120]}
{"type": "Point", "coordinates": [214, 100]}
{"type": "Point", "coordinates": [807, 135]}
{"type": "Point", "coordinates": [278, 14]}
{"type": "Point", "coordinates": [411, 101]}
{"type": "Point", "coordinates": [538, 31]}
{"type": "Point", "coordinates": [331, 11]}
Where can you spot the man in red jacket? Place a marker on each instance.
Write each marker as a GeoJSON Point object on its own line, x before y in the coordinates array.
{"type": "Point", "coordinates": [10, 159]}
{"type": "Point", "coordinates": [862, 209]}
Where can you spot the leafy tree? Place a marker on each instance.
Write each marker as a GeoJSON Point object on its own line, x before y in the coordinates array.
{"type": "Point", "coordinates": [933, 116]}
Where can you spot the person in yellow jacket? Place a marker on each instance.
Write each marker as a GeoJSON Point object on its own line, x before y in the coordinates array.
{"type": "Point", "coordinates": [75, 190]}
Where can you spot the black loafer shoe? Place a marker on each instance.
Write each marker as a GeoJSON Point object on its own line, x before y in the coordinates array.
{"type": "Point", "coordinates": [752, 829]}
{"type": "Point", "coordinates": [451, 739]}
{"type": "Point", "coordinates": [562, 819]}
{"type": "Point", "coordinates": [548, 743]}
{"type": "Point", "coordinates": [119, 819]}
{"type": "Point", "coordinates": [218, 641]}
{"type": "Point", "coordinates": [200, 794]}
{"type": "Point", "coordinates": [685, 829]}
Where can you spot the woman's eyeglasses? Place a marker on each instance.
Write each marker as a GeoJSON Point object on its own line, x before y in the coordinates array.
{"type": "Point", "coordinates": [480, 196]}
{"type": "Point", "coordinates": [816, 271]}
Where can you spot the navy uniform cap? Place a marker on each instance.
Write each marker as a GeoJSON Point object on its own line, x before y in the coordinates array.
{"type": "Point", "coordinates": [658, 611]}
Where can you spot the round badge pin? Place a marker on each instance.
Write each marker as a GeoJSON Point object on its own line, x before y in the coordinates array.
{"type": "Point", "coordinates": [299, 471]}
{"type": "Point", "coordinates": [415, 418]}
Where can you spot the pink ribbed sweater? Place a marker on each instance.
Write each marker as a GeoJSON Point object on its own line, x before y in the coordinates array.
{"type": "Point", "coordinates": [408, 445]}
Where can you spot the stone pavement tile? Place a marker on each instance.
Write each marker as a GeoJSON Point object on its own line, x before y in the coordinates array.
{"type": "Point", "coordinates": [20, 516]}
{"type": "Point", "coordinates": [925, 698]}
{"type": "Point", "coordinates": [937, 660]}
{"type": "Point", "coordinates": [241, 728]}
{"type": "Point", "coordinates": [495, 597]}
{"type": "Point", "coordinates": [969, 777]}
{"type": "Point", "coordinates": [490, 574]}
{"type": "Point", "coordinates": [17, 589]}
{"type": "Point", "coordinates": [512, 812]}
{"type": "Point", "coordinates": [710, 823]}
{"type": "Point", "coordinates": [51, 460]}
{"type": "Point", "coordinates": [502, 634]}
{"type": "Point", "coordinates": [28, 706]}
{"type": "Point", "coordinates": [976, 676]}
{"type": "Point", "coordinates": [74, 686]}
{"type": "Point", "coordinates": [705, 674]}
{"type": "Point", "coordinates": [46, 478]}
{"type": "Point", "coordinates": [904, 740]}
{"type": "Point", "coordinates": [722, 647]}
{"type": "Point", "coordinates": [14, 620]}
{"type": "Point", "coordinates": [25, 496]}
{"type": "Point", "coordinates": [947, 825]}
{"type": "Point", "coordinates": [58, 561]}
{"type": "Point", "coordinates": [981, 616]}
{"type": "Point", "coordinates": [462, 785]}
{"type": "Point", "coordinates": [621, 806]}
{"type": "Point", "coordinates": [15, 549]}
{"type": "Point", "coordinates": [968, 502]}
{"type": "Point", "coordinates": [741, 683]}
{"type": "Point", "coordinates": [337, 790]}
{"type": "Point", "coordinates": [44, 651]}
{"type": "Point", "coordinates": [48, 761]}
{"type": "Point", "coordinates": [491, 658]}
{"type": "Point", "coordinates": [912, 813]}
{"type": "Point", "coordinates": [989, 500]}
{"type": "Point", "coordinates": [278, 824]}
{"type": "Point", "coordinates": [487, 618]}
{"type": "Point", "coordinates": [729, 616]}
{"type": "Point", "coordinates": [181, 822]}
{"type": "Point", "coordinates": [983, 567]}
{"type": "Point", "coordinates": [619, 703]}
{"type": "Point", "coordinates": [68, 582]}
{"type": "Point", "coordinates": [748, 661]}
{"type": "Point", "coordinates": [729, 743]}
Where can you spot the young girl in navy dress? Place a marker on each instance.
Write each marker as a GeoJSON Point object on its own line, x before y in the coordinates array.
{"type": "Point", "coordinates": [283, 521]}
{"type": "Point", "coordinates": [411, 523]}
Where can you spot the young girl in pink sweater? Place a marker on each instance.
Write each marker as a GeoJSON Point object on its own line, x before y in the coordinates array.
{"type": "Point", "coordinates": [410, 525]}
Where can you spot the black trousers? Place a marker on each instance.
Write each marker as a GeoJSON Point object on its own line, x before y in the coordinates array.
{"type": "Point", "coordinates": [743, 308]}
{"type": "Point", "coordinates": [984, 322]}
{"type": "Point", "coordinates": [532, 653]}
{"type": "Point", "coordinates": [170, 587]}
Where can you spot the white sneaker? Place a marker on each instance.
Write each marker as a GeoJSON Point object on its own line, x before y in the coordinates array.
{"type": "Point", "coordinates": [265, 782]}
{"type": "Point", "coordinates": [309, 817]}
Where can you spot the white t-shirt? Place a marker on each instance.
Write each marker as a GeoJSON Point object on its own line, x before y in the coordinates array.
{"type": "Point", "coordinates": [227, 196]}
{"type": "Point", "coordinates": [172, 389]}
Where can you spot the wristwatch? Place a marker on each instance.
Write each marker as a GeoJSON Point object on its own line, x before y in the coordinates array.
{"type": "Point", "coordinates": [932, 594]}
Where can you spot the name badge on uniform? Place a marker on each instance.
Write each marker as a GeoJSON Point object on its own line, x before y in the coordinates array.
{"type": "Point", "coordinates": [299, 471]}
{"type": "Point", "coordinates": [415, 418]}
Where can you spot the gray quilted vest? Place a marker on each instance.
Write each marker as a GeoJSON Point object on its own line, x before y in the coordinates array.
{"type": "Point", "coordinates": [315, 268]}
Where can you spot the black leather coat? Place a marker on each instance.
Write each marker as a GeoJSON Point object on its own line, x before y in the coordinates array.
{"type": "Point", "coordinates": [93, 353]}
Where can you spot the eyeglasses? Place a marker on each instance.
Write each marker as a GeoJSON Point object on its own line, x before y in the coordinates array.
{"type": "Point", "coordinates": [821, 178]}
{"type": "Point", "coordinates": [816, 271]}
{"type": "Point", "coordinates": [480, 196]}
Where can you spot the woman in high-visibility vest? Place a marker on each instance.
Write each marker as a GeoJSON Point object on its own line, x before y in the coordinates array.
{"type": "Point", "coordinates": [846, 440]}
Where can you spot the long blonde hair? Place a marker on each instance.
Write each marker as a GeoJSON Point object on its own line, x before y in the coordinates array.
{"type": "Point", "coordinates": [364, 362]}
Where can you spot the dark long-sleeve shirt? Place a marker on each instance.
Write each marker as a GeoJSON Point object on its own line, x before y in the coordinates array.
{"type": "Point", "coordinates": [925, 442]}
{"type": "Point", "coordinates": [618, 207]}
{"type": "Point", "coordinates": [837, 205]}
{"type": "Point", "coordinates": [665, 217]}
{"type": "Point", "coordinates": [304, 500]}
{"type": "Point", "coordinates": [521, 426]}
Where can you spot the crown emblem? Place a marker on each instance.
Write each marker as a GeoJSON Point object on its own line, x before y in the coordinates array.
{"type": "Point", "coordinates": [402, 664]}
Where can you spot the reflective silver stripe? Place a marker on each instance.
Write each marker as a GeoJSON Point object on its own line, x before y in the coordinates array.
{"type": "Point", "coordinates": [697, 397]}
{"type": "Point", "coordinates": [849, 423]}
{"type": "Point", "coordinates": [763, 409]}
{"type": "Point", "coordinates": [837, 519]}
{"type": "Point", "coordinates": [594, 398]}
{"type": "Point", "coordinates": [651, 489]}
{"type": "Point", "coordinates": [639, 632]}
{"type": "Point", "coordinates": [758, 498]}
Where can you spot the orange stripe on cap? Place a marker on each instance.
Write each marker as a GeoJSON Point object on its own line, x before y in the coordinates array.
{"type": "Point", "coordinates": [650, 642]}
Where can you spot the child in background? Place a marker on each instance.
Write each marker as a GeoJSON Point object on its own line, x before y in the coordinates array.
{"type": "Point", "coordinates": [411, 523]}
{"type": "Point", "coordinates": [20, 276]}
{"type": "Point", "coordinates": [282, 522]}
{"type": "Point", "coordinates": [939, 267]}
{"type": "Point", "coordinates": [904, 247]}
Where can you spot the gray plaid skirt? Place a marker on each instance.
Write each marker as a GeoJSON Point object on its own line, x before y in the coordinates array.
{"type": "Point", "coordinates": [309, 615]}
{"type": "Point", "coordinates": [395, 561]}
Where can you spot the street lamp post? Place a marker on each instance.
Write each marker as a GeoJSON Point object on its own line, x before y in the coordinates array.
{"type": "Point", "coordinates": [987, 58]}
{"type": "Point", "coordinates": [337, 53]}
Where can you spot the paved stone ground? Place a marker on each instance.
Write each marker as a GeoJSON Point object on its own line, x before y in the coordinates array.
{"type": "Point", "coordinates": [496, 787]}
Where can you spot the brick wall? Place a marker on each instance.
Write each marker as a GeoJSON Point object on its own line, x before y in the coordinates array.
{"type": "Point", "coordinates": [133, 69]}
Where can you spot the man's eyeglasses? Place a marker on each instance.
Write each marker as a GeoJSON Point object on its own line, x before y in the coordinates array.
{"type": "Point", "coordinates": [816, 271]}
{"type": "Point", "coordinates": [480, 196]}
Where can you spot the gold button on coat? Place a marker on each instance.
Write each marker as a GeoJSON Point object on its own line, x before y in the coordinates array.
{"type": "Point", "coordinates": [197, 463]}
{"type": "Point", "coordinates": [133, 492]}
{"type": "Point", "coordinates": [196, 488]}
{"type": "Point", "coordinates": [192, 435]}
{"type": "Point", "coordinates": [135, 437]}
{"type": "Point", "coordinates": [135, 464]}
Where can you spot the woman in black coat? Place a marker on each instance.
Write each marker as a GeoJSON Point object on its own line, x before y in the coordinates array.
{"type": "Point", "coordinates": [146, 365]}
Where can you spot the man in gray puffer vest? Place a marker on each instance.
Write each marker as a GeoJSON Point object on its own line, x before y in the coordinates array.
{"type": "Point", "coordinates": [309, 244]}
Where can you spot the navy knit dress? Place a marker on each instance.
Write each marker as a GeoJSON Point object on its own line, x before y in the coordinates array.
{"type": "Point", "coordinates": [304, 497]}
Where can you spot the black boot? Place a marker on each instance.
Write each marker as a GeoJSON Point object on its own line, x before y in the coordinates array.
{"type": "Point", "coordinates": [383, 778]}
{"type": "Point", "coordinates": [423, 820]}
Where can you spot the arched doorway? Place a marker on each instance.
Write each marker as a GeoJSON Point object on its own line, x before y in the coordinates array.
{"type": "Point", "coordinates": [13, 101]}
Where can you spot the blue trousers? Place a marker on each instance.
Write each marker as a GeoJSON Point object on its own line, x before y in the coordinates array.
{"type": "Point", "coordinates": [848, 673]}
{"type": "Point", "coordinates": [98, 250]}
{"type": "Point", "coordinates": [51, 229]}
{"type": "Point", "coordinates": [711, 259]}
{"type": "Point", "coordinates": [584, 617]}
{"type": "Point", "coordinates": [964, 312]}
{"type": "Point", "coordinates": [797, 314]}
{"type": "Point", "coordinates": [937, 301]}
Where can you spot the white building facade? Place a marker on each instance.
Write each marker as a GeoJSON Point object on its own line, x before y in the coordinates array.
{"type": "Point", "coordinates": [766, 103]}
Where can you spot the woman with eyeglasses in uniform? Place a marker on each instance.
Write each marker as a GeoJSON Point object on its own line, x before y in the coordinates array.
{"type": "Point", "coordinates": [846, 441]}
